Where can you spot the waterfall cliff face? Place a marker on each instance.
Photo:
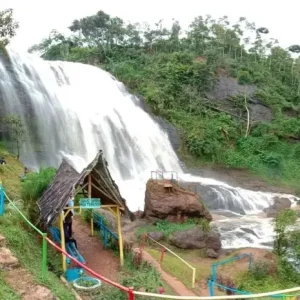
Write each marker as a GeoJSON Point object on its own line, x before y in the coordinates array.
{"type": "Point", "coordinates": [73, 110]}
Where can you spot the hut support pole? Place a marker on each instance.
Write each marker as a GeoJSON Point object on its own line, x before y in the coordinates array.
{"type": "Point", "coordinates": [120, 236]}
{"type": "Point", "coordinates": [90, 196]}
{"type": "Point", "coordinates": [63, 242]}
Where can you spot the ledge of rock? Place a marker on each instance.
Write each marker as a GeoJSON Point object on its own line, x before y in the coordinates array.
{"type": "Point", "coordinates": [279, 205]}
{"type": "Point", "coordinates": [7, 260]}
{"type": "Point", "coordinates": [164, 200]}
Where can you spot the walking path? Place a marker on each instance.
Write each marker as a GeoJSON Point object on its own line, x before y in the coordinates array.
{"type": "Point", "coordinates": [97, 258]}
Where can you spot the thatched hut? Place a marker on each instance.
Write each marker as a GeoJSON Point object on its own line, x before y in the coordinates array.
{"type": "Point", "coordinates": [94, 181]}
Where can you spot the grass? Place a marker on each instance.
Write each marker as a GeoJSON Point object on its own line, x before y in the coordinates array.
{"type": "Point", "coordinates": [174, 266]}
{"type": "Point", "coordinates": [26, 246]}
{"type": "Point", "coordinates": [167, 228]}
{"type": "Point", "coordinates": [21, 240]}
{"type": "Point", "coordinates": [143, 277]}
{"type": "Point", "coordinates": [9, 174]}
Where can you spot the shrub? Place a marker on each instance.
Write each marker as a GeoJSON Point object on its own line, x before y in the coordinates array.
{"type": "Point", "coordinates": [244, 77]}
{"type": "Point", "coordinates": [32, 188]}
{"type": "Point", "coordinates": [261, 269]}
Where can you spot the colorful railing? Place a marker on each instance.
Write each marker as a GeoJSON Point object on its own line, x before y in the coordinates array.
{"type": "Point", "coordinates": [106, 233]}
{"type": "Point", "coordinates": [129, 291]}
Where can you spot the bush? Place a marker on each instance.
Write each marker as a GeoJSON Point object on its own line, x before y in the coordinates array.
{"type": "Point", "coordinates": [32, 188]}
{"type": "Point", "coordinates": [261, 269]}
{"type": "Point", "coordinates": [244, 77]}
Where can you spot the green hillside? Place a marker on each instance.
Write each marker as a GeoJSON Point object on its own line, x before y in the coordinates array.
{"type": "Point", "coordinates": [179, 74]}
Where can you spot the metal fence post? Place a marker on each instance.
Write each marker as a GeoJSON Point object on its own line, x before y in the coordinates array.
{"type": "Point", "coordinates": [130, 294]}
{"type": "Point", "coordinates": [250, 261]}
{"type": "Point", "coordinates": [211, 287]}
{"type": "Point", "coordinates": [1, 199]}
{"type": "Point", "coordinates": [44, 257]}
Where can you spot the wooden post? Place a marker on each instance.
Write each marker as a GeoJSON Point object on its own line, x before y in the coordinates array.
{"type": "Point", "coordinates": [90, 196]}
{"type": "Point", "coordinates": [162, 255]}
{"type": "Point", "coordinates": [120, 236]}
{"type": "Point", "coordinates": [63, 242]}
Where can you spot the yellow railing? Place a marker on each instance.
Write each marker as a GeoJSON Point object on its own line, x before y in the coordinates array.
{"type": "Point", "coordinates": [181, 259]}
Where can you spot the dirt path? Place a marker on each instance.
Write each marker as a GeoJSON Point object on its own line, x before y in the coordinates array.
{"type": "Point", "coordinates": [173, 282]}
{"type": "Point", "coordinates": [97, 258]}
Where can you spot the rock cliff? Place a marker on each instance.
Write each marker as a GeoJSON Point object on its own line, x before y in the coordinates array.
{"type": "Point", "coordinates": [164, 200]}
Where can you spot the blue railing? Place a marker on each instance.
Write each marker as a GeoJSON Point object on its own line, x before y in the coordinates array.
{"type": "Point", "coordinates": [106, 233]}
{"type": "Point", "coordinates": [234, 291]}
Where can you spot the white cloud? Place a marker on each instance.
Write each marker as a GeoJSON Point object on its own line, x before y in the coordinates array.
{"type": "Point", "coordinates": [38, 17]}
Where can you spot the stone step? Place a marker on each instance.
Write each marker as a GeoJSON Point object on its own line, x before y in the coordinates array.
{"type": "Point", "coordinates": [7, 260]}
{"type": "Point", "coordinates": [2, 241]}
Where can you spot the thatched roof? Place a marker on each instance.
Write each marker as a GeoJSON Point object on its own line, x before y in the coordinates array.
{"type": "Point", "coordinates": [67, 182]}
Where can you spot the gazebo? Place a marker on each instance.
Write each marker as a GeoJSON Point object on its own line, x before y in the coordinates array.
{"type": "Point", "coordinates": [94, 183]}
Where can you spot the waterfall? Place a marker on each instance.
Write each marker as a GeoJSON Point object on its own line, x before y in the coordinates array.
{"type": "Point", "coordinates": [72, 110]}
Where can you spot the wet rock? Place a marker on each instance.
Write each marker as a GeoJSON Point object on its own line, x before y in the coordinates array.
{"type": "Point", "coordinates": [175, 204]}
{"type": "Point", "coordinates": [279, 205]}
{"type": "Point", "coordinates": [157, 236]}
{"type": "Point", "coordinates": [212, 253]}
{"type": "Point", "coordinates": [213, 241]}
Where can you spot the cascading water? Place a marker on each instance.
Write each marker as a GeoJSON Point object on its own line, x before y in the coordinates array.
{"type": "Point", "coordinates": [78, 109]}
{"type": "Point", "coordinates": [73, 110]}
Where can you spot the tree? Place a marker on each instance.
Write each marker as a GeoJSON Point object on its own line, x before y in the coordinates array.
{"type": "Point", "coordinates": [283, 221]}
{"type": "Point", "coordinates": [16, 130]}
{"type": "Point", "coordinates": [8, 26]}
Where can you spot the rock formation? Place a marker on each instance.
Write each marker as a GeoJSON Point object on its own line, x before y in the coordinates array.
{"type": "Point", "coordinates": [279, 205]}
{"type": "Point", "coordinates": [196, 238]}
{"type": "Point", "coordinates": [168, 201]}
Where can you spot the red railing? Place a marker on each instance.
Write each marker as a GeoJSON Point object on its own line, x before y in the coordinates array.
{"type": "Point", "coordinates": [127, 290]}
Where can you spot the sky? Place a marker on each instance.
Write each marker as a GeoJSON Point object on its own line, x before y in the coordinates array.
{"type": "Point", "coordinates": [38, 17]}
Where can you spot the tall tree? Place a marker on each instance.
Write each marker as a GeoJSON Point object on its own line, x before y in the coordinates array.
{"type": "Point", "coordinates": [8, 26]}
{"type": "Point", "coordinates": [16, 130]}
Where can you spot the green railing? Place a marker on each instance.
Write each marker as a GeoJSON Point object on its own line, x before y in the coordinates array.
{"type": "Point", "coordinates": [4, 196]}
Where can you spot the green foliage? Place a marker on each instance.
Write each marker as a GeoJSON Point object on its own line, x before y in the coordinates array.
{"type": "Point", "coordinates": [26, 245]}
{"type": "Point", "coordinates": [244, 77]}
{"type": "Point", "coordinates": [167, 228]}
{"type": "Point", "coordinates": [177, 75]}
{"type": "Point", "coordinates": [142, 276]}
{"type": "Point", "coordinates": [16, 131]}
{"type": "Point", "coordinates": [283, 221]}
{"type": "Point", "coordinates": [261, 269]}
{"type": "Point", "coordinates": [32, 188]}
{"type": "Point", "coordinates": [8, 26]}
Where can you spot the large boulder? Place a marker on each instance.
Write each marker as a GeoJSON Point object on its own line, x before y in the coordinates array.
{"type": "Point", "coordinates": [213, 241]}
{"type": "Point", "coordinates": [196, 238]}
{"type": "Point", "coordinates": [279, 205]}
{"type": "Point", "coordinates": [189, 239]}
{"type": "Point", "coordinates": [156, 235]}
{"type": "Point", "coordinates": [172, 203]}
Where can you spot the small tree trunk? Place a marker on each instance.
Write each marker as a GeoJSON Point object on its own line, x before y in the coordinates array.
{"type": "Point", "coordinates": [248, 117]}
{"type": "Point", "coordinates": [18, 150]}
